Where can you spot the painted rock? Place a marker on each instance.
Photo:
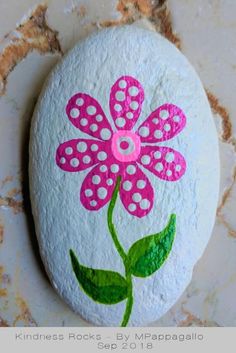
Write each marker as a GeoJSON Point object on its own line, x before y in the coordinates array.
{"type": "Point", "coordinates": [124, 176]}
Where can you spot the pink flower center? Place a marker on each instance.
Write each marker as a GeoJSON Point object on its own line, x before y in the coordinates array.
{"type": "Point", "coordinates": [125, 146]}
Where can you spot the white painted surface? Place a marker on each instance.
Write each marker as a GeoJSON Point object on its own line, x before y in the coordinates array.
{"type": "Point", "coordinates": [62, 222]}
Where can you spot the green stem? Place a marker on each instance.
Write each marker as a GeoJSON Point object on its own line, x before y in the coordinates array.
{"type": "Point", "coordinates": [111, 227]}
{"type": "Point", "coordinates": [110, 222]}
{"type": "Point", "coordinates": [129, 303]}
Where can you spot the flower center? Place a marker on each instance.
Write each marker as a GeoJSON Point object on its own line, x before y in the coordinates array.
{"type": "Point", "coordinates": [125, 146]}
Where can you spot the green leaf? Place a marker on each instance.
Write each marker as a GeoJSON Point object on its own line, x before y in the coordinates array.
{"type": "Point", "coordinates": [106, 287]}
{"type": "Point", "coordinates": [148, 254]}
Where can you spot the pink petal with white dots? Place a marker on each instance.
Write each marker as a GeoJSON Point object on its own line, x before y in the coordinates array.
{"type": "Point", "coordinates": [164, 123]}
{"type": "Point", "coordinates": [126, 99]}
{"type": "Point", "coordinates": [164, 162]}
{"type": "Point", "coordinates": [86, 114]}
{"type": "Point", "coordinates": [79, 154]}
{"type": "Point", "coordinates": [136, 191]}
{"type": "Point", "coordinates": [99, 184]}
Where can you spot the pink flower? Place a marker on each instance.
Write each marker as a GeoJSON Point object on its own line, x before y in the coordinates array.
{"type": "Point", "coordinates": [121, 152]}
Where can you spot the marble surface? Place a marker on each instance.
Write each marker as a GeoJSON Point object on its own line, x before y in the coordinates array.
{"type": "Point", "coordinates": [33, 37]}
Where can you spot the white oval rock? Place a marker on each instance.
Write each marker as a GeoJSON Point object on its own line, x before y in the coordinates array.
{"type": "Point", "coordinates": [124, 176]}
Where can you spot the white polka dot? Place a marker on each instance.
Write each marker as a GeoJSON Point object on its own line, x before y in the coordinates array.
{"type": "Point", "coordinates": [155, 121]}
{"type": "Point", "coordinates": [134, 105]}
{"type": "Point", "coordinates": [99, 118]}
{"type": "Point", "coordinates": [136, 197]}
{"type": "Point", "coordinates": [141, 184]}
{"type": "Point", "coordinates": [80, 102]}
{"type": "Point", "coordinates": [62, 160]}
{"type": "Point", "coordinates": [164, 114]}
{"type": "Point", "coordinates": [130, 115]}
{"type": "Point", "coordinates": [109, 182]}
{"type": "Point", "coordinates": [103, 168]}
{"type": "Point", "coordinates": [169, 157]}
{"type": "Point", "coordinates": [131, 169]}
{"type": "Point", "coordinates": [69, 150]}
{"type": "Point", "coordinates": [115, 168]}
{"type": "Point", "coordinates": [81, 147]}
{"type": "Point", "coordinates": [159, 167]}
{"type": "Point", "coordinates": [157, 155]}
{"type": "Point", "coordinates": [102, 193]}
{"type": "Point", "coordinates": [122, 84]}
{"type": "Point", "coordinates": [178, 168]}
{"type": "Point", "coordinates": [120, 122]}
{"type": "Point", "coordinates": [93, 203]}
{"type": "Point", "coordinates": [120, 96]}
{"type": "Point", "coordinates": [74, 162]}
{"type": "Point", "coordinates": [176, 118]}
{"type": "Point", "coordinates": [146, 159]}
{"type": "Point", "coordinates": [105, 134]}
{"type": "Point", "coordinates": [102, 156]}
{"type": "Point", "coordinates": [88, 192]}
{"type": "Point", "coordinates": [167, 127]}
{"type": "Point", "coordinates": [94, 147]}
{"type": "Point", "coordinates": [93, 127]}
{"type": "Point", "coordinates": [144, 204]}
{"type": "Point", "coordinates": [91, 110]}
{"type": "Point", "coordinates": [144, 131]}
{"type": "Point", "coordinates": [133, 91]}
{"type": "Point", "coordinates": [132, 207]}
{"type": "Point", "coordinates": [158, 134]}
{"type": "Point", "coordinates": [168, 172]}
{"type": "Point", "coordinates": [127, 185]}
{"type": "Point", "coordinates": [74, 113]}
{"type": "Point", "coordinates": [96, 179]}
{"type": "Point", "coordinates": [84, 122]}
{"type": "Point", "coordinates": [86, 159]}
{"type": "Point", "coordinates": [117, 107]}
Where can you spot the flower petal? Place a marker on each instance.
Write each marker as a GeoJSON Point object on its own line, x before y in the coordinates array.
{"type": "Point", "coordinates": [164, 123]}
{"type": "Point", "coordinates": [99, 184]}
{"type": "Point", "coordinates": [86, 114]}
{"type": "Point", "coordinates": [136, 191]}
{"type": "Point", "coordinates": [164, 162]}
{"type": "Point", "coordinates": [79, 154]}
{"type": "Point", "coordinates": [126, 100]}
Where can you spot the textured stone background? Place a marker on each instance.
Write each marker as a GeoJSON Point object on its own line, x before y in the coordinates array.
{"type": "Point", "coordinates": [33, 37]}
